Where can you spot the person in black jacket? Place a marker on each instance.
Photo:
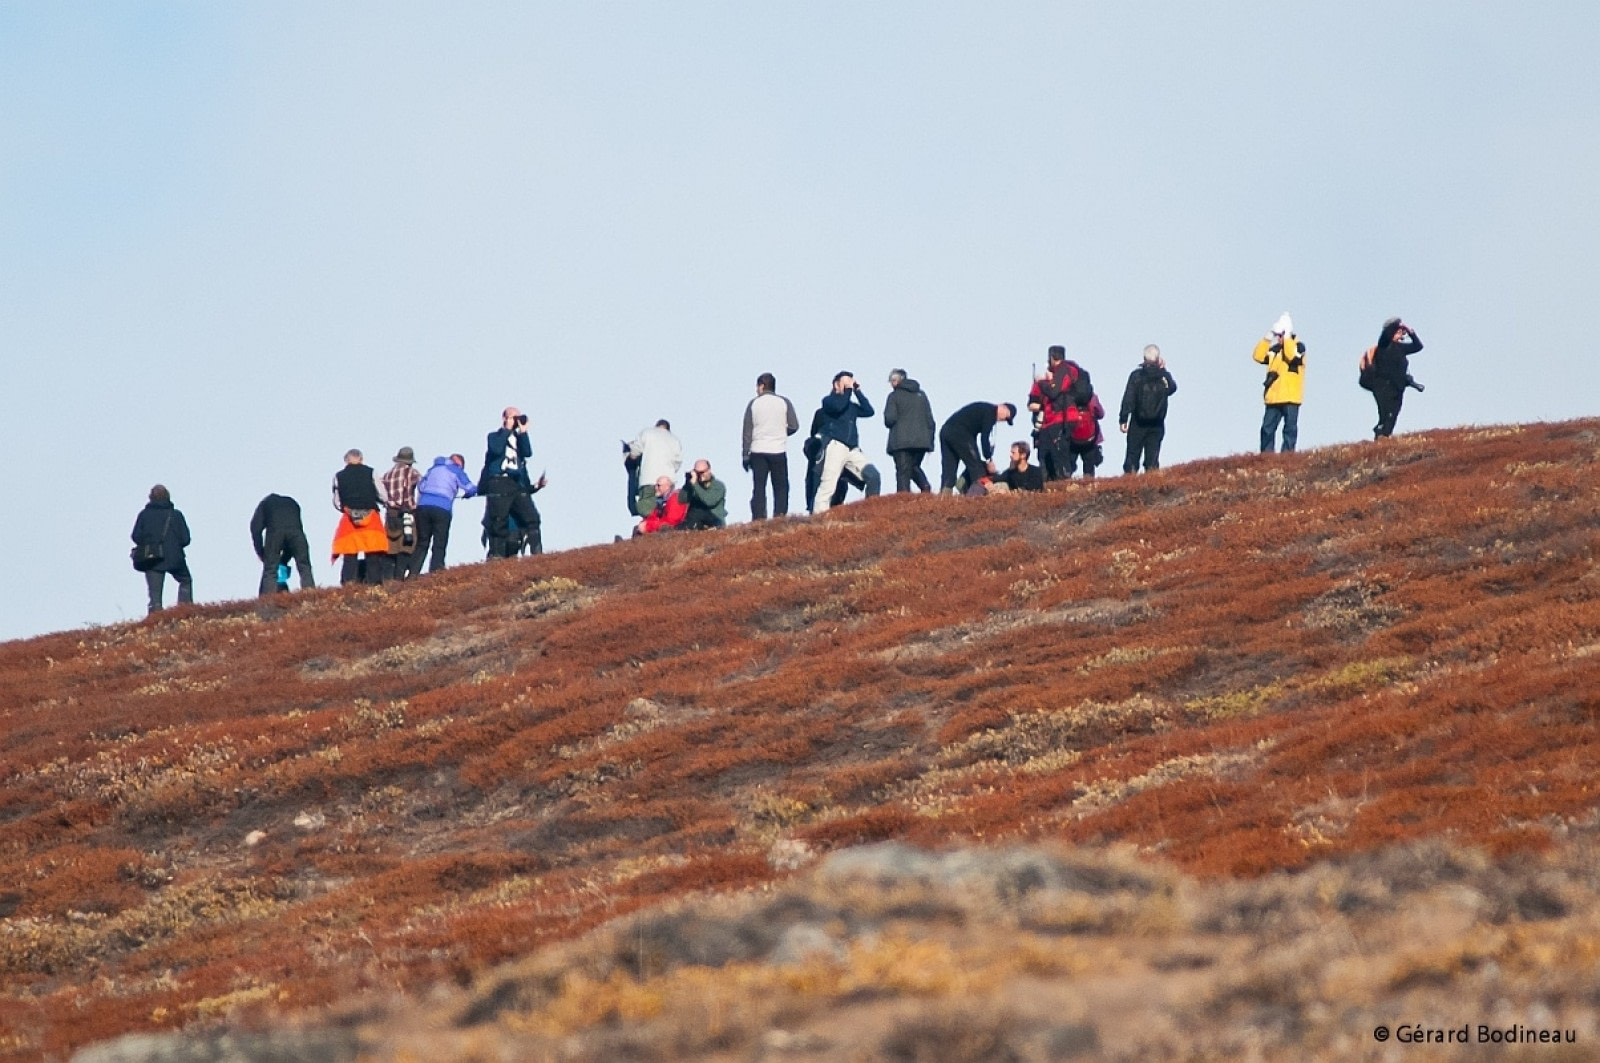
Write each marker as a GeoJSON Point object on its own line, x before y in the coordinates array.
{"type": "Point", "coordinates": [160, 524]}
{"type": "Point", "coordinates": [964, 435]}
{"type": "Point", "coordinates": [1387, 373]}
{"type": "Point", "coordinates": [1144, 411]}
{"type": "Point", "coordinates": [278, 536]}
{"type": "Point", "coordinates": [909, 418]}
{"type": "Point", "coordinates": [360, 538]}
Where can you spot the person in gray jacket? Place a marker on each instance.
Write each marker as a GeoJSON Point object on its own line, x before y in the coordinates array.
{"type": "Point", "coordinates": [769, 421]}
{"type": "Point", "coordinates": [909, 418]}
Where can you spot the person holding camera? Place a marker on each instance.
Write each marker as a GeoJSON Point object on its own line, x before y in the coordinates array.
{"type": "Point", "coordinates": [840, 436]}
{"type": "Point", "coordinates": [160, 535]}
{"type": "Point", "coordinates": [706, 497]}
{"type": "Point", "coordinates": [1386, 372]}
{"type": "Point", "coordinates": [1281, 351]}
{"type": "Point", "coordinates": [510, 519]}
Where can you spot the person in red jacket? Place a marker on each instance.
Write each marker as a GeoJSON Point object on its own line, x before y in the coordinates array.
{"type": "Point", "coordinates": [662, 508]}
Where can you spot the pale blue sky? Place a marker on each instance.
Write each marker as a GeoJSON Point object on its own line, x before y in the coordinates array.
{"type": "Point", "coordinates": [238, 239]}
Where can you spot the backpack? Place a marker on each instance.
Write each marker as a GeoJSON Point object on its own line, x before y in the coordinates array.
{"type": "Point", "coordinates": [1078, 390]}
{"type": "Point", "coordinates": [1082, 426]}
{"type": "Point", "coordinates": [1369, 374]}
{"type": "Point", "coordinates": [1150, 397]}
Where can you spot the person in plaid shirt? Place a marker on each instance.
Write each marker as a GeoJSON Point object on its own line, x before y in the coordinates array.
{"type": "Point", "coordinates": [400, 493]}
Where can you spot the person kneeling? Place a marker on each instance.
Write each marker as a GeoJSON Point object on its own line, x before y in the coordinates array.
{"type": "Point", "coordinates": [662, 508]}
{"type": "Point", "coordinates": [706, 497]}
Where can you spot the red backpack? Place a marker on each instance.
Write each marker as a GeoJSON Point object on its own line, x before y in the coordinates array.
{"type": "Point", "coordinates": [1083, 421]}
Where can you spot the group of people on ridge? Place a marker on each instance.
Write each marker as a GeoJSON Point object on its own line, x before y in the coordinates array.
{"type": "Point", "coordinates": [388, 525]}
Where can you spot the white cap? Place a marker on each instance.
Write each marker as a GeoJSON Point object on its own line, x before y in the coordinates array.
{"type": "Point", "coordinates": [1283, 326]}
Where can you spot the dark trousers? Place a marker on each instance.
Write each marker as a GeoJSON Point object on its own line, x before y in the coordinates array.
{"type": "Point", "coordinates": [155, 582]}
{"type": "Point", "coordinates": [281, 548]}
{"type": "Point", "coordinates": [1389, 396]}
{"type": "Point", "coordinates": [1144, 441]}
{"type": "Point", "coordinates": [433, 530]}
{"type": "Point", "coordinates": [776, 468]}
{"type": "Point", "coordinates": [1287, 413]}
{"type": "Point", "coordinates": [908, 470]}
{"type": "Point", "coordinates": [955, 452]}
{"type": "Point", "coordinates": [1053, 451]}
{"type": "Point", "coordinates": [632, 465]}
{"type": "Point", "coordinates": [1089, 453]}
{"type": "Point", "coordinates": [698, 519]}
{"type": "Point", "coordinates": [510, 520]}
{"type": "Point", "coordinates": [363, 568]}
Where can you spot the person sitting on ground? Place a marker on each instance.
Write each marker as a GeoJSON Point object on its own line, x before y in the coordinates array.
{"type": "Point", "coordinates": [1020, 475]}
{"type": "Point", "coordinates": [706, 496]}
{"type": "Point", "coordinates": [662, 508]}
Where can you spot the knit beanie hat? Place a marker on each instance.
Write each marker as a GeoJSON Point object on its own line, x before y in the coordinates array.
{"type": "Point", "coordinates": [1283, 326]}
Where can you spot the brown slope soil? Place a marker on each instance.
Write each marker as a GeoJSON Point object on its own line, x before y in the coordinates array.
{"type": "Point", "coordinates": [1245, 666]}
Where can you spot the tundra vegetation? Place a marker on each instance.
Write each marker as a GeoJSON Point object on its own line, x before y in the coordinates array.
{"type": "Point", "coordinates": [1248, 755]}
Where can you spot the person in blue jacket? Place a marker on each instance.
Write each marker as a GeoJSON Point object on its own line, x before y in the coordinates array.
{"type": "Point", "coordinates": [441, 485]}
{"type": "Point", "coordinates": [841, 438]}
{"type": "Point", "coordinates": [510, 520]}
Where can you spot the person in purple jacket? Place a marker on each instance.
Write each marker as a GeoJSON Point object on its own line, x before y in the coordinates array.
{"type": "Point", "coordinates": [440, 486]}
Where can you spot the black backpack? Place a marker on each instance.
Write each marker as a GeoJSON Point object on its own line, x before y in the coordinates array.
{"type": "Point", "coordinates": [1078, 390]}
{"type": "Point", "coordinates": [1150, 397]}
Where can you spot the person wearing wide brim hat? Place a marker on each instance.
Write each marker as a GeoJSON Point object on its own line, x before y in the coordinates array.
{"type": "Point", "coordinates": [400, 519]}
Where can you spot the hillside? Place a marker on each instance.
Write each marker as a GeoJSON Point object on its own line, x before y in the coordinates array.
{"type": "Point", "coordinates": [1237, 669]}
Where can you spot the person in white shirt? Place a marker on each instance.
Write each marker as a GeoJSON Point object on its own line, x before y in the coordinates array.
{"type": "Point", "coordinates": [654, 453]}
{"type": "Point", "coordinates": [769, 421]}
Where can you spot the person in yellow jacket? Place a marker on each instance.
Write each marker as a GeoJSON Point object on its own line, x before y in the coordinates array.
{"type": "Point", "coordinates": [1281, 351]}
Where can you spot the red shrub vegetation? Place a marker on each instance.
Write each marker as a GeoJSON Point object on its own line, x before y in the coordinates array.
{"type": "Point", "coordinates": [1243, 664]}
